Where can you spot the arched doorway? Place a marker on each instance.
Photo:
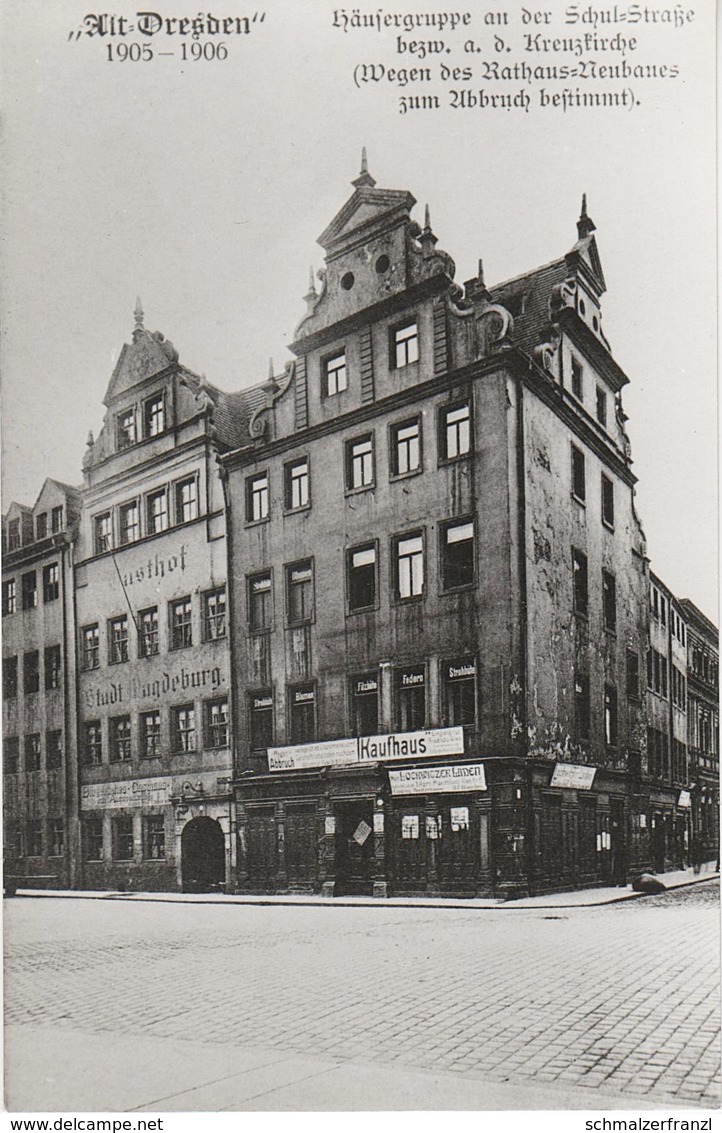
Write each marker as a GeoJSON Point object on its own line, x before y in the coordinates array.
{"type": "Point", "coordinates": [203, 856]}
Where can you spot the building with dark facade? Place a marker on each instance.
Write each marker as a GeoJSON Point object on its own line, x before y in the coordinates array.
{"type": "Point", "coordinates": [703, 724]}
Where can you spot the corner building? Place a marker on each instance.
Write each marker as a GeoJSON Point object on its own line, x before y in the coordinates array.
{"type": "Point", "coordinates": [439, 583]}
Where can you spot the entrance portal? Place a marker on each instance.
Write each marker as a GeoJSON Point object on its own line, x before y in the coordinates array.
{"type": "Point", "coordinates": [354, 848]}
{"type": "Point", "coordinates": [203, 856]}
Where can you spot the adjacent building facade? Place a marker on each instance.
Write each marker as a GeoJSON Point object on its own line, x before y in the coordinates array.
{"type": "Point", "coordinates": [703, 727]}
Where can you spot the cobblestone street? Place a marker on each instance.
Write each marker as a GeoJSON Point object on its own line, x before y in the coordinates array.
{"type": "Point", "coordinates": [617, 1001]}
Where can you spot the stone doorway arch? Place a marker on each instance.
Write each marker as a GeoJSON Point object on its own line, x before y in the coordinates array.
{"type": "Point", "coordinates": [203, 856]}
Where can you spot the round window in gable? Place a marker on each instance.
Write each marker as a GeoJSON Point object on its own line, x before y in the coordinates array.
{"type": "Point", "coordinates": [582, 307]}
{"type": "Point", "coordinates": [348, 280]}
{"type": "Point", "coordinates": [383, 264]}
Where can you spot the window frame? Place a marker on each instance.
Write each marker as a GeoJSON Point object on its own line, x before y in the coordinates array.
{"type": "Point", "coordinates": [92, 651]}
{"type": "Point", "coordinates": [123, 439]}
{"type": "Point", "coordinates": [193, 503]}
{"type": "Point", "coordinates": [11, 676]}
{"type": "Point", "coordinates": [611, 716]}
{"type": "Point", "coordinates": [93, 837]}
{"type": "Point", "coordinates": [214, 620]}
{"type": "Point", "coordinates": [580, 570]}
{"type": "Point", "coordinates": [92, 743]}
{"type": "Point", "coordinates": [609, 601]}
{"type": "Point", "coordinates": [576, 385]}
{"type": "Point", "coordinates": [291, 588]}
{"type": "Point", "coordinates": [148, 404]}
{"type": "Point", "coordinates": [129, 533]}
{"type": "Point", "coordinates": [181, 746]}
{"type": "Point", "coordinates": [41, 526]}
{"type": "Point", "coordinates": [32, 753]}
{"type": "Point", "coordinates": [362, 548]}
{"type": "Point", "coordinates": [444, 428]}
{"type": "Point", "coordinates": [121, 826]}
{"type": "Point", "coordinates": [260, 496]}
{"type": "Point", "coordinates": [151, 526]}
{"type": "Point", "coordinates": [31, 687]}
{"type": "Point", "coordinates": [409, 344]}
{"type": "Point", "coordinates": [153, 750]}
{"type": "Point", "coordinates": [53, 668]}
{"type": "Point", "coordinates": [117, 646]}
{"type": "Point", "coordinates": [350, 458]}
{"type": "Point", "coordinates": [601, 406]}
{"type": "Point", "coordinates": [29, 590]}
{"type": "Point", "coordinates": [56, 519]}
{"type": "Point", "coordinates": [293, 733]}
{"type": "Point", "coordinates": [259, 576]}
{"type": "Point", "coordinates": [102, 543]}
{"type": "Point", "coordinates": [180, 632]}
{"type": "Point", "coordinates": [448, 682]}
{"type": "Point", "coordinates": [53, 749]}
{"type": "Point", "coordinates": [51, 583]}
{"type": "Point", "coordinates": [578, 475]}
{"type": "Point", "coordinates": [444, 544]}
{"type": "Point", "coordinates": [327, 373]}
{"type": "Point", "coordinates": [397, 541]}
{"type": "Point", "coordinates": [399, 689]}
{"type": "Point", "coordinates": [149, 821]}
{"type": "Point", "coordinates": [607, 501]}
{"type": "Point", "coordinates": [303, 482]}
{"type": "Point", "coordinates": [254, 712]}
{"type": "Point", "coordinates": [395, 444]}
{"type": "Point", "coordinates": [211, 727]}
{"type": "Point", "coordinates": [120, 739]}
{"type": "Point", "coordinates": [9, 597]}
{"type": "Point", "coordinates": [148, 636]}
{"type": "Point", "coordinates": [355, 694]}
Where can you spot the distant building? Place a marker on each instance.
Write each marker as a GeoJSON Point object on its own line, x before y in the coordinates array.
{"type": "Point", "coordinates": [703, 724]}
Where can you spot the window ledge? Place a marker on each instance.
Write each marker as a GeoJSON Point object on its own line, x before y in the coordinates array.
{"type": "Point", "coordinates": [395, 476]}
{"type": "Point", "coordinates": [609, 526]}
{"type": "Point", "coordinates": [578, 500]}
{"type": "Point", "coordinates": [258, 522]}
{"type": "Point", "coordinates": [464, 588]}
{"type": "Point", "coordinates": [296, 510]}
{"type": "Point", "coordinates": [443, 461]}
{"type": "Point", "coordinates": [362, 488]}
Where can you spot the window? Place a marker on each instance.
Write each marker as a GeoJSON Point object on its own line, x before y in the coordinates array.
{"type": "Point", "coordinates": [56, 519]}
{"type": "Point", "coordinates": [460, 692]}
{"type": "Point", "coordinates": [10, 677]}
{"type": "Point", "coordinates": [93, 743]}
{"type": "Point", "coordinates": [610, 716]}
{"type": "Point", "coordinates": [90, 647]}
{"type": "Point", "coordinates": [214, 614]}
{"type": "Point", "coordinates": [125, 426]}
{"type": "Point", "coordinates": [11, 752]}
{"type": "Point", "coordinates": [53, 750]}
{"type": "Point", "coordinates": [579, 487]}
{"type": "Point", "coordinates": [181, 630]}
{"type": "Point", "coordinates": [51, 582]}
{"type": "Point", "coordinates": [577, 379]}
{"type": "Point", "coordinates": [410, 699]}
{"type": "Point", "coordinates": [609, 601]}
{"type": "Point", "coordinates": [296, 484]}
{"type": "Point", "coordinates": [663, 610]}
{"type": "Point", "coordinates": [257, 498]}
{"type": "Point", "coordinates": [150, 735]}
{"type": "Point", "coordinates": [31, 672]}
{"type": "Point", "coordinates": [601, 407]}
{"type": "Point", "coordinates": [406, 447]}
{"type": "Point", "coordinates": [607, 501]}
{"type": "Point", "coordinates": [119, 739]}
{"type": "Point", "coordinates": [335, 374]}
{"type": "Point", "coordinates": [118, 640]}
{"type": "Point", "coordinates": [154, 837]}
{"type": "Point", "coordinates": [361, 566]}
{"type": "Point", "coordinates": [41, 525]}
{"type": "Point", "coordinates": [183, 729]}
{"type": "Point", "coordinates": [580, 582]}
{"type": "Point", "coordinates": [13, 534]}
{"type": "Point", "coordinates": [122, 828]}
{"type": "Point", "coordinates": [186, 500]}
{"type": "Point", "coordinates": [52, 667]}
{"type": "Point", "coordinates": [10, 599]}
{"type": "Point", "coordinates": [93, 837]}
{"type": "Point", "coordinates": [364, 695]}
{"type": "Point", "coordinates": [360, 463]}
{"type": "Point", "coordinates": [409, 566]}
{"type": "Point", "coordinates": [457, 555]}
{"type": "Point", "coordinates": [154, 416]}
{"type": "Point", "coordinates": [34, 838]}
{"type": "Point", "coordinates": [455, 432]}
{"type": "Point", "coordinates": [303, 714]}
{"type": "Point", "coordinates": [581, 706]}
{"type": "Point", "coordinates": [217, 731]}
{"type": "Point", "coordinates": [30, 591]}
{"type": "Point", "coordinates": [632, 675]}
{"type": "Point", "coordinates": [156, 512]}
{"type": "Point", "coordinates": [657, 672]}
{"type": "Point", "coordinates": [299, 591]}
{"type": "Point", "coordinates": [261, 720]}
{"type": "Point", "coordinates": [129, 523]}
{"type": "Point", "coordinates": [404, 345]}
{"type": "Point", "coordinates": [260, 603]}
{"type": "Point", "coordinates": [103, 533]}
{"type": "Point", "coordinates": [32, 753]}
{"type": "Point", "coordinates": [56, 838]}
{"type": "Point", "coordinates": [148, 644]}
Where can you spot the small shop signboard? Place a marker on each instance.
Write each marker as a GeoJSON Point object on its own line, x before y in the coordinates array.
{"type": "Point", "coordinates": [126, 793]}
{"type": "Point", "coordinates": [428, 744]}
{"type": "Point", "coordinates": [574, 775]}
{"type": "Point", "coordinates": [685, 799]}
{"type": "Point", "coordinates": [438, 780]}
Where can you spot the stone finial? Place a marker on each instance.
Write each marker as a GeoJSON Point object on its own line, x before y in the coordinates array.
{"type": "Point", "coordinates": [90, 441]}
{"type": "Point", "coordinates": [138, 313]}
{"type": "Point", "coordinates": [585, 224]}
{"type": "Point", "coordinates": [427, 239]}
{"type": "Point", "coordinates": [364, 178]}
{"type": "Point", "coordinates": [480, 272]}
{"type": "Point", "coordinates": [270, 386]}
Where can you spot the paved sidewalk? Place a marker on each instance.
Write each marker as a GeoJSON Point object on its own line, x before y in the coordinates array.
{"type": "Point", "coordinates": [578, 898]}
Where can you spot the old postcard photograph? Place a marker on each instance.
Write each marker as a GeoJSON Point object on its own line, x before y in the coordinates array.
{"type": "Point", "coordinates": [359, 580]}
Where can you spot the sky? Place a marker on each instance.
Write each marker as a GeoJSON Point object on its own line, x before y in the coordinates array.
{"type": "Point", "coordinates": [202, 185]}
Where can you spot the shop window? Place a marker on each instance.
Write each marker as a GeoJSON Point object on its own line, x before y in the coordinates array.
{"type": "Point", "coordinates": [10, 598]}
{"type": "Point", "coordinates": [299, 593]}
{"type": "Point", "coordinates": [10, 677]}
{"type": "Point", "coordinates": [607, 501]}
{"type": "Point", "coordinates": [214, 614]}
{"type": "Point", "coordinates": [11, 753]}
{"type": "Point", "coordinates": [119, 741]}
{"type": "Point", "coordinates": [609, 601]}
{"type": "Point", "coordinates": [455, 431]}
{"type": "Point", "coordinates": [118, 640]}
{"type": "Point", "coordinates": [458, 819]}
{"type": "Point", "coordinates": [303, 713]}
{"type": "Point", "coordinates": [125, 428]}
{"type": "Point", "coordinates": [360, 463]}
{"type": "Point", "coordinates": [93, 837]}
{"type": "Point", "coordinates": [122, 831]}
{"type": "Point", "coordinates": [90, 647]}
{"type": "Point", "coordinates": [186, 500]}
{"type": "Point", "coordinates": [581, 707]}
{"type": "Point", "coordinates": [457, 555]}
{"type": "Point", "coordinates": [148, 632]}
{"type": "Point", "coordinates": [260, 602]}
{"type": "Point", "coordinates": [156, 512]}
{"type": "Point", "coordinates": [181, 628]}
{"type": "Point", "coordinates": [150, 735]}
{"type": "Point", "coordinates": [257, 498]}
{"type": "Point", "coordinates": [183, 729]}
{"type": "Point", "coordinates": [129, 515]}
{"type": "Point", "coordinates": [261, 720]}
{"type": "Point", "coordinates": [460, 692]}
{"type": "Point", "coordinates": [632, 675]}
{"type": "Point", "coordinates": [361, 568]}
{"type": "Point", "coordinates": [103, 525]}
{"type": "Point", "coordinates": [53, 667]}
{"type": "Point", "coordinates": [34, 838]}
{"type": "Point", "coordinates": [577, 379]}
{"type": "Point", "coordinates": [581, 583]}
{"type": "Point", "coordinates": [56, 838]}
{"type": "Point", "coordinates": [410, 690]}
{"type": "Point", "coordinates": [406, 447]}
{"type": "Point", "coordinates": [154, 416]}
{"type": "Point", "coordinates": [41, 525]}
{"type": "Point", "coordinates": [297, 484]}
{"type": "Point", "coordinates": [610, 716]}
{"type": "Point", "coordinates": [32, 753]}
{"type": "Point", "coordinates": [31, 671]}
{"type": "Point", "coordinates": [217, 728]}
{"type": "Point", "coordinates": [410, 827]}
{"type": "Point", "coordinates": [579, 485]}
{"type": "Point", "coordinates": [601, 407]}
{"type": "Point", "coordinates": [30, 591]}
{"type": "Point", "coordinates": [409, 554]}
{"type": "Point", "coordinates": [51, 582]}
{"type": "Point", "coordinates": [93, 743]}
{"type": "Point", "coordinates": [335, 374]}
{"type": "Point", "coordinates": [154, 837]}
{"type": "Point", "coordinates": [404, 344]}
{"type": "Point", "coordinates": [56, 519]}
{"type": "Point", "coordinates": [364, 695]}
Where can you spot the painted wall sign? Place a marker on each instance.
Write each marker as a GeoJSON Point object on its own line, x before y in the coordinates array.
{"type": "Point", "coordinates": [461, 670]}
{"type": "Point", "coordinates": [573, 775]}
{"type": "Point", "coordinates": [368, 749]}
{"type": "Point", "coordinates": [152, 687]}
{"type": "Point", "coordinates": [156, 567]}
{"type": "Point", "coordinates": [438, 780]}
{"type": "Point", "coordinates": [685, 799]}
{"type": "Point", "coordinates": [129, 793]}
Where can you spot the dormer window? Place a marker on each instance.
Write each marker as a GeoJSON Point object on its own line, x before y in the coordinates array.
{"type": "Point", "coordinates": [41, 525]}
{"type": "Point", "coordinates": [13, 534]}
{"type": "Point", "coordinates": [335, 374]}
{"type": "Point", "coordinates": [56, 519]}
{"type": "Point", "coordinates": [154, 416]}
{"type": "Point", "coordinates": [125, 424]}
{"type": "Point", "coordinates": [404, 345]}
